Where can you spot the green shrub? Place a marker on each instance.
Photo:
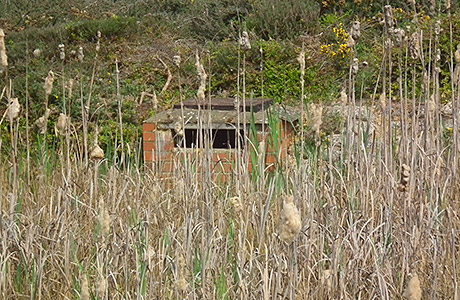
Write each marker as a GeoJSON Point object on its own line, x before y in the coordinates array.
{"type": "Point", "coordinates": [273, 19]}
{"type": "Point", "coordinates": [111, 27]}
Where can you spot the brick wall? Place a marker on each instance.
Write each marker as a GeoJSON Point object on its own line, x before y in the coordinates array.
{"type": "Point", "coordinates": [159, 154]}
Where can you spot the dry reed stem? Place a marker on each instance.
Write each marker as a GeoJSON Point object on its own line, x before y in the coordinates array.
{"type": "Point", "coordinates": [3, 55]}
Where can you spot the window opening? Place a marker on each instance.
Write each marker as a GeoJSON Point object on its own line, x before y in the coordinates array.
{"type": "Point", "coordinates": [221, 138]}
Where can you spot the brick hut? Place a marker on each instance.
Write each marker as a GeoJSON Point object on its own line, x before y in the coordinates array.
{"type": "Point", "coordinates": [188, 128]}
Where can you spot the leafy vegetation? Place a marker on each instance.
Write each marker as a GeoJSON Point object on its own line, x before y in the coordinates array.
{"type": "Point", "coordinates": [363, 206]}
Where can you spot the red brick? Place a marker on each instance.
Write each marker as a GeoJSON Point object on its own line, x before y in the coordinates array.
{"type": "Point", "coordinates": [148, 127]}
{"type": "Point", "coordinates": [270, 159]}
{"type": "Point", "coordinates": [166, 147]}
{"type": "Point", "coordinates": [147, 155]}
{"type": "Point", "coordinates": [149, 136]}
{"type": "Point", "coordinates": [149, 146]}
{"type": "Point", "coordinates": [164, 156]}
{"type": "Point", "coordinates": [167, 166]}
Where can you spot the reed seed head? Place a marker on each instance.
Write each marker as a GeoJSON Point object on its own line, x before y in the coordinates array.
{"type": "Point", "coordinates": [290, 220]}
{"type": "Point", "coordinates": [383, 101]}
{"type": "Point", "coordinates": [177, 60]}
{"type": "Point", "coordinates": [236, 203]}
{"type": "Point", "coordinates": [413, 290]}
{"type": "Point", "coordinates": [102, 284]}
{"type": "Point", "coordinates": [414, 46]}
{"type": "Point", "coordinates": [98, 43]}
{"type": "Point", "coordinates": [405, 178]}
{"type": "Point", "coordinates": [181, 281]}
{"type": "Point", "coordinates": [343, 97]}
{"type": "Point", "coordinates": [14, 108]}
{"type": "Point", "coordinates": [437, 27]}
{"type": "Point", "coordinates": [244, 41]}
{"type": "Point", "coordinates": [84, 295]}
{"type": "Point", "coordinates": [37, 52]}
{"type": "Point", "coordinates": [203, 76]}
{"type": "Point", "coordinates": [316, 120]}
{"type": "Point", "coordinates": [154, 100]}
{"type": "Point", "coordinates": [350, 42]}
{"type": "Point", "coordinates": [355, 31]}
{"type": "Point", "coordinates": [97, 153]}
{"type": "Point", "coordinates": [3, 56]}
{"type": "Point", "coordinates": [388, 14]}
{"type": "Point", "coordinates": [62, 124]}
{"type": "Point", "coordinates": [69, 87]}
{"type": "Point", "coordinates": [178, 128]}
{"type": "Point", "coordinates": [80, 54]}
{"type": "Point", "coordinates": [326, 279]}
{"type": "Point", "coordinates": [48, 86]}
{"type": "Point", "coordinates": [61, 51]}
{"type": "Point", "coordinates": [399, 36]}
{"type": "Point", "coordinates": [43, 121]}
{"type": "Point", "coordinates": [355, 66]}
{"type": "Point", "coordinates": [104, 220]}
{"type": "Point", "coordinates": [301, 60]}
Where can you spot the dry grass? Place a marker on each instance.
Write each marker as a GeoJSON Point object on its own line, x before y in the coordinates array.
{"type": "Point", "coordinates": [94, 230]}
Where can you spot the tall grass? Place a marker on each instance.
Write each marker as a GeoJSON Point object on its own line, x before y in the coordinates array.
{"type": "Point", "coordinates": [118, 231]}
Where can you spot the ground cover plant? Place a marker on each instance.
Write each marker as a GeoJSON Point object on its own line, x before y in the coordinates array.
{"type": "Point", "coordinates": [365, 206]}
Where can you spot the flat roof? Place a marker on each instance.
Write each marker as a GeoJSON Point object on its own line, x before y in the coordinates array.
{"type": "Point", "coordinates": [249, 104]}
{"type": "Point", "coordinates": [218, 118]}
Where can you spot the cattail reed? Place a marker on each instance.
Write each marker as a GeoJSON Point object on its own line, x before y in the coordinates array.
{"type": "Point", "coordinates": [3, 56]}
{"type": "Point", "coordinates": [413, 290]}
{"type": "Point", "coordinates": [178, 128]}
{"type": "Point", "coordinates": [62, 124]}
{"type": "Point", "coordinates": [104, 219]}
{"type": "Point", "coordinates": [80, 56]}
{"type": "Point", "coordinates": [181, 281]}
{"type": "Point", "coordinates": [290, 220]}
{"type": "Point", "coordinates": [101, 284]}
{"type": "Point", "coordinates": [316, 111]}
{"type": "Point", "coordinates": [236, 204]}
{"type": "Point", "coordinates": [343, 97]}
{"type": "Point", "coordinates": [355, 31]}
{"type": "Point", "coordinates": [177, 60]}
{"type": "Point", "coordinates": [69, 87]}
{"type": "Point", "coordinates": [48, 86]}
{"type": "Point", "coordinates": [98, 43]}
{"type": "Point", "coordinates": [37, 53]}
{"type": "Point", "coordinates": [203, 76]}
{"type": "Point", "coordinates": [13, 109]}
{"type": "Point", "coordinates": [84, 294]}
{"type": "Point", "coordinates": [97, 153]}
{"type": "Point", "coordinates": [244, 41]}
{"type": "Point", "coordinates": [326, 279]}
{"type": "Point", "coordinates": [42, 122]}
{"type": "Point", "coordinates": [414, 46]}
{"type": "Point", "coordinates": [61, 51]}
{"type": "Point", "coordinates": [405, 178]}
